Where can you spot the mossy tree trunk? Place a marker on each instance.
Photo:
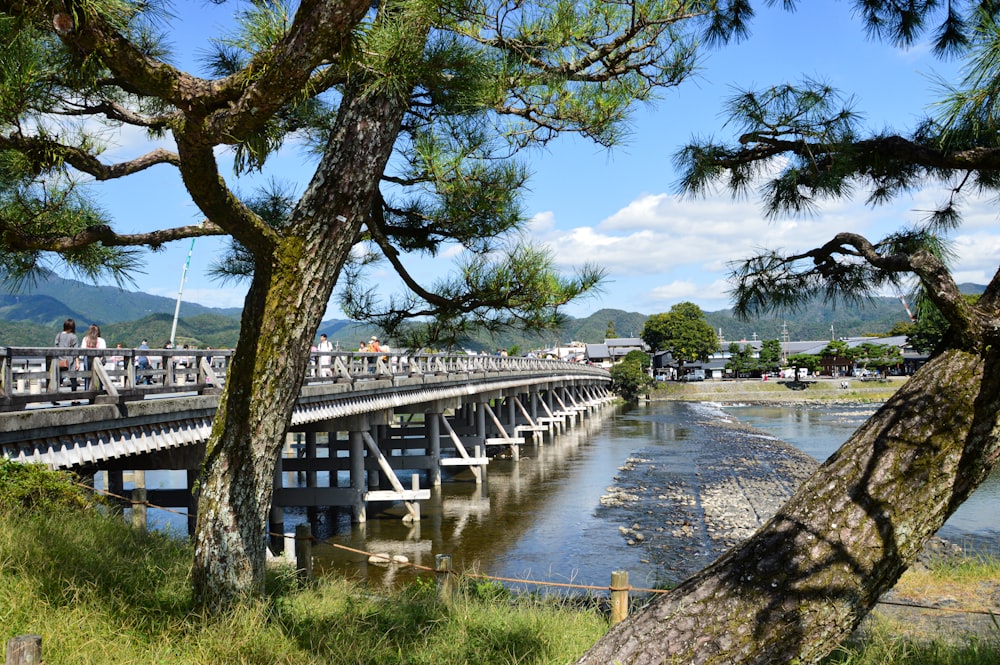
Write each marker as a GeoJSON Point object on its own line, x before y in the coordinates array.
{"type": "Point", "coordinates": [288, 296]}
{"type": "Point", "coordinates": [808, 577]}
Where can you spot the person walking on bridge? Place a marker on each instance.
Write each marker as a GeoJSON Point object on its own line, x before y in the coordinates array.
{"type": "Point", "coordinates": [324, 360]}
{"type": "Point", "coordinates": [142, 364]}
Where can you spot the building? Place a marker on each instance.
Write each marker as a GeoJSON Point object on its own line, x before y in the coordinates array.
{"type": "Point", "coordinates": [613, 350]}
{"type": "Point", "coordinates": [715, 367]}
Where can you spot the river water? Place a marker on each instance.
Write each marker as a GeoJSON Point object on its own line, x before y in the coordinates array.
{"type": "Point", "coordinates": [543, 519]}
{"type": "Point", "coordinates": [819, 431]}
{"type": "Point", "coordinates": [547, 518]}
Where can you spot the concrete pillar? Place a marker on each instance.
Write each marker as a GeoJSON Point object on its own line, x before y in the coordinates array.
{"type": "Point", "coordinates": [372, 471]}
{"type": "Point", "coordinates": [139, 499]}
{"type": "Point", "coordinates": [432, 427]}
{"type": "Point", "coordinates": [357, 457]}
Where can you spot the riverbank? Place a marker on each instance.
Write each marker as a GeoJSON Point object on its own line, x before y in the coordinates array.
{"type": "Point", "coordinates": [821, 390]}
{"type": "Point", "coordinates": [719, 479]}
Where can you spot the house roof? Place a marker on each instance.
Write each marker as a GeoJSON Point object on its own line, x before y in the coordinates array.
{"type": "Point", "coordinates": [634, 342]}
{"type": "Point", "coordinates": [597, 351]}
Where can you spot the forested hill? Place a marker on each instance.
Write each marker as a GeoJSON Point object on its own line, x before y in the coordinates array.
{"type": "Point", "coordinates": [33, 315]}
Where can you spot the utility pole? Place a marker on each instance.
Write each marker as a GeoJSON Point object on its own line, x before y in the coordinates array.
{"type": "Point", "coordinates": [784, 341]}
{"type": "Point", "coordinates": [180, 293]}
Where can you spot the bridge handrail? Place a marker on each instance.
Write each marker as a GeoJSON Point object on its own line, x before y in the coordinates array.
{"type": "Point", "coordinates": [32, 375]}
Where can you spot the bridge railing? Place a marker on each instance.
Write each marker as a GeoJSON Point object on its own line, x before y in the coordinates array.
{"type": "Point", "coordinates": [36, 375]}
{"type": "Point", "coordinates": [47, 374]}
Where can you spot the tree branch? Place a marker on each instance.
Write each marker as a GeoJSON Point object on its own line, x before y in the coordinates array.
{"type": "Point", "coordinates": [14, 239]}
{"type": "Point", "coordinates": [392, 255]}
{"type": "Point", "coordinates": [48, 153]}
{"type": "Point", "coordinates": [934, 275]}
{"type": "Point", "coordinates": [896, 148]}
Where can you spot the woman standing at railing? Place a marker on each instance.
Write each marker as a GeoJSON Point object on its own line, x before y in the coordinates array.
{"type": "Point", "coordinates": [67, 340]}
{"type": "Point", "coordinates": [92, 340]}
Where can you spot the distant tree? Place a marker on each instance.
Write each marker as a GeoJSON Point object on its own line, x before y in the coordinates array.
{"type": "Point", "coordinates": [901, 329]}
{"type": "Point", "coordinates": [839, 354]}
{"type": "Point", "coordinates": [741, 359]}
{"type": "Point", "coordinates": [639, 357]}
{"type": "Point", "coordinates": [630, 377]}
{"type": "Point", "coordinates": [877, 356]}
{"type": "Point", "coordinates": [769, 355]}
{"type": "Point", "coordinates": [836, 348]}
{"type": "Point", "coordinates": [611, 333]}
{"type": "Point", "coordinates": [807, 361]}
{"type": "Point", "coordinates": [683, 332]}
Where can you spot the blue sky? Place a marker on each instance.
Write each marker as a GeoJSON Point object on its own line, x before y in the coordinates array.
{"type": "Point", "coordinates": [620, 208]}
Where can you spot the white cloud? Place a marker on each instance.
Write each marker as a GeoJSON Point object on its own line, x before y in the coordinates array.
{"type": "Point", "coordinates": [659, 249]}
{"type": "Point", "coordinates": [709, 296]}
{"type": "Point", "coordinates": [977, 253]}
{"type": "Point", "coordinates": [659, 233]}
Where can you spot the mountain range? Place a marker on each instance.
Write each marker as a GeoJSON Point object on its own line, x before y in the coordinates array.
{"type": "Point", "coordinates": [33, 315]}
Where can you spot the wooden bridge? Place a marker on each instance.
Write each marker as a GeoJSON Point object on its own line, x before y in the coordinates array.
{"type": "Point", "coordinates": [362, 420]}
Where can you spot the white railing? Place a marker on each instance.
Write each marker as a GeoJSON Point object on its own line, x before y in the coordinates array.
{"type": "Point", "coordinates": [34, 375]}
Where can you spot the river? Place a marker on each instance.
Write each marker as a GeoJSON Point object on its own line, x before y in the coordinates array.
{"type": "Point", "coordinates": [819, 431]}
{"type": "Point", "coordinates": [554, 516]}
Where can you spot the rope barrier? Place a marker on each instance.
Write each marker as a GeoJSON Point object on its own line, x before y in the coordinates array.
{"type": "Point", "coordinates": [514, 580]}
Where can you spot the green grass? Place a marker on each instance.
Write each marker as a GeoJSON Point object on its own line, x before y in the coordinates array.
{"type": "Point", "coordinates": [882, 648]}
{"type": "Point", "coordinates": [98, 591]}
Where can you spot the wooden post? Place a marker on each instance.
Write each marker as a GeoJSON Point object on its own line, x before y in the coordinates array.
{"type": "Point", "coordinates": [303, 552]}
{"type": "Point", "coordinates": [619, 596]}
{"type": "Point", "coordinates": [445, 584]}
{"type": "Point", "coordinates": [139, 508]}
{"type": "Point", "coordinates": [24, 650]}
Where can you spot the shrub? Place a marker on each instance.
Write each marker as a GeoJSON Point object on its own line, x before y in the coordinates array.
{"type": "Point", "coordinates": [36, 488]}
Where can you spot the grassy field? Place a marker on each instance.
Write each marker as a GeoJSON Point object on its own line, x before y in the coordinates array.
{"type": "Point", "coordinates": [98, 591]}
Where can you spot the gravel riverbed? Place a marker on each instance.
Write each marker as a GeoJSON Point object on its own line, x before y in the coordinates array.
{"type": "Point", "coordinates": [704, 486]}
{"type": "Point", "coordinates": [701, 489]}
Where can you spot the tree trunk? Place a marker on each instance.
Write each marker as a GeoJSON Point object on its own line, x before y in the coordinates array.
{"type": "Point", "coordinates": [288, 296]}
{"type": "Point", "coordinates": [235, 490]}
{"type": "Point", "coordinates": [808, 577]}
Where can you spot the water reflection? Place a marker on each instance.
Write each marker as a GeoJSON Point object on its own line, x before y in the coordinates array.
{"type": "Point", "coordinates": [541, 518]}
{"type": "Point", "coordinates": [532, 519]}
